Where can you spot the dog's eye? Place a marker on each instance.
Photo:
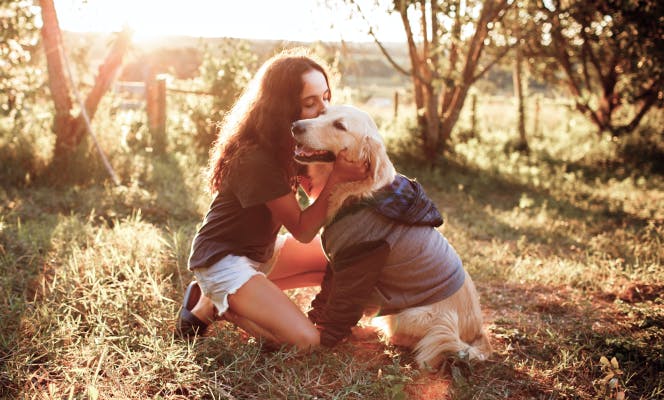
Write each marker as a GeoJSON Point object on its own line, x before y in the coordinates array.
{"type": "Point", "coordinates": [338, 124]}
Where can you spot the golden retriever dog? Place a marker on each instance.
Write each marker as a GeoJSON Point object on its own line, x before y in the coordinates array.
{"type": "Point", "coordinates": [387, 259]}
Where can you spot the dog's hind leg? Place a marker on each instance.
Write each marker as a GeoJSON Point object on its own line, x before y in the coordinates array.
{"type": "Point", "coordinates": [481, 347]}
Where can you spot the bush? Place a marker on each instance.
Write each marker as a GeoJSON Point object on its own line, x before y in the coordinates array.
{"type": "Point", "coordinates": [225, 71]}
{"type": "Point", "coordinates": [643, 150]}
{"type": "Point", "coordinates": [25, 149]}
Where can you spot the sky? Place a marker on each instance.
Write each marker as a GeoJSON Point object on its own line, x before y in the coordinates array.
{"type": "Point", "coordinates": [294, 20]}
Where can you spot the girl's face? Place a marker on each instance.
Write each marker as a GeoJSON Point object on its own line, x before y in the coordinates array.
{"type": "Point", "coordinates": [315, 94]}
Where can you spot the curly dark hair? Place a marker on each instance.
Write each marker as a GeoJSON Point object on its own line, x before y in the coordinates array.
{"type": "Point", "coordinates": [263, 115]}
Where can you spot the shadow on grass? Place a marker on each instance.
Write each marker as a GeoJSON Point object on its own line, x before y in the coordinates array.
{"type": "Point", "coordinates": [154, 188]}
{"type": "Point", "coordinates": [175, 207]}
{"type": "Point", "coordinates": [152, 183]}
{"type": "Point", "coordinates": [491, 188]}
{"type": "Point", "coordinates": [499, 379]}
{"type": "Point", "coordinates": [173, 198]}
{"type": "Point", "coordinates": [477, 192]}
{"type": "Point", "coordinates": [558, 336]}
{"type": "Point", "coordinates": [549, 340]}
{"type": "Point", "coordinates": [25, 242]}
{"type": "Point", "coordinates": [30, 217]}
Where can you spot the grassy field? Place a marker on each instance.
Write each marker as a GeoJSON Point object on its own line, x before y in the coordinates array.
{"type": "Point", "coordinates": [565, 245]}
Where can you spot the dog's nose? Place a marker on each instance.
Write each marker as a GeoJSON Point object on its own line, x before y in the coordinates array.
{"type": "Point", "coordinates": [297, 128]}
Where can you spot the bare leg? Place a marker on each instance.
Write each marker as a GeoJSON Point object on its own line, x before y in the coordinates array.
{"type": "Point", "coordinates": [299, 264]}
{"type": "Point", "coordinates": [269, 309]}
{"type": "Point", "coordinates": [204, 309]}
{"type": "Point", "coordinates": [249, 326]}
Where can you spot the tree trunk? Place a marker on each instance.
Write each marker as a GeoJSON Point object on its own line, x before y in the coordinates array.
{"type": "Point", "coordinates": [451, 108]}
{"type": "Point", "coordinates": [70, 131]}
{"type": "Point", "coordinates": [107, 73]}
{"type": "Point", "coordinates": [58, 81]}
{"type": "Point", "coordinates": [432, 145]}
{"type": "Point", "coordinates": [415, 61]}
{"type": "Point", "coordinates": [517, 78]}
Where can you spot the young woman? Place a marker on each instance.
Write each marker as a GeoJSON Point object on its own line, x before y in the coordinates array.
{"type": "Point", "coordinates": [240, 261]}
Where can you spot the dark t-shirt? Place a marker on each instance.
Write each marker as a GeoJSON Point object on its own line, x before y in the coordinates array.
{"type": "Point", "coordinates": [238, 221]}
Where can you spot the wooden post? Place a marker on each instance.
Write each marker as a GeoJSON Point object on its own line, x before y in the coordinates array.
{"type": "Point", "coordinates": [473, 116]}
{"type": "Point", "coordinates": [536, 116]}
{"type": "Point", "coordinates": [518, 79]}
{"type": "Point", "coordinates": [396, 104]}
{"type": "Point", "coordinates": [155, 103]}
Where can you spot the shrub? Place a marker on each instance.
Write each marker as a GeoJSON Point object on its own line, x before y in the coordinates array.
{"type": "Point", "coordinates": [224, 73]}
{"type": "Point", "coordinates": [643, 150]}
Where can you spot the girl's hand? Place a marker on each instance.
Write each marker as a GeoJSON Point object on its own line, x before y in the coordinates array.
{"type": "Point", "coordinates": [347, 171]}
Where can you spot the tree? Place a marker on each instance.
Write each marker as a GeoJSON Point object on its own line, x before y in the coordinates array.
{"type": "Point", "coordinates": [19, 36]}
{"type": "Point", "coordinates": [608, 54]}
{"type": "Point", "coordinates": [446, 58]}
{"type": "Point", "coordinates": [70, 130]}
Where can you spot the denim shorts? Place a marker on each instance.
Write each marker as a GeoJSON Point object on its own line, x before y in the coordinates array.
{"type": "Point", "coordinates": [227, 275]}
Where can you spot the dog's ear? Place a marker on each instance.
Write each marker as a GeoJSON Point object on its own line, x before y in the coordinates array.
{"type": "Point", "coordinates": [369, 153]}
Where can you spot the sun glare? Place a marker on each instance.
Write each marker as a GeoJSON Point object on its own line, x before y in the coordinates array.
{"type": "Point", "coordinates": [146, 18]}
{"type": "Point", "coordinates": [296, 20]}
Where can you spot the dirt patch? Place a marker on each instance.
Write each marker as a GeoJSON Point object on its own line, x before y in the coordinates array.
{"type": "Point", "coordinates": [640, 292]}
{"type": "Point", "coordinates": [429, 387]}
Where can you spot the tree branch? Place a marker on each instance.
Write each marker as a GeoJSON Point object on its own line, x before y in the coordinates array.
{"type": "Point", "coordinates": [499, 57]}
{"type": "Point", "coordinates": [57, 82]}
{"type": "Point", "coordinates": [107, 71]}
{"type": "Point", "coordinates": [382, 48]}
{"type": "Point", "coordinates": [588, 51]}
{"type": "Point", "coordinates": [560, 54]}
{"type": "Point", "coordinates": [388, 56]}
{"type": "Point", "coordinates": [416, 60]}
{"type": "Point", "coordinates": [648, 97]}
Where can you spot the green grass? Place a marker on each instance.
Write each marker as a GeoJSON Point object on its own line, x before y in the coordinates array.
{"type": "Point", "coordinates": [565, 249]}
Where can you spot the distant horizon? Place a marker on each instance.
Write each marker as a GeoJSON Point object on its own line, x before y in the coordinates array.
{"type": "Point", "coordinates": [155, 38]}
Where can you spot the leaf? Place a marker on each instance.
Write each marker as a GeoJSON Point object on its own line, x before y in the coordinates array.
{"type": "Point", "coordinates": [614, 363]}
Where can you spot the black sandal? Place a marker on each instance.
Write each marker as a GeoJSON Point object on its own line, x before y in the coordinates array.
{"type": "Point", "coordinates": [189, 325]}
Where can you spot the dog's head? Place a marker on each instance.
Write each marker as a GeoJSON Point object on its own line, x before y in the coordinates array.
{"type": "Point", "coordinates": [319, 140]}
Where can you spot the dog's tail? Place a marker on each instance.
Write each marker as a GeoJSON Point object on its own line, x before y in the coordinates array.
{"type": "Point", "coordinates": [444, 338]}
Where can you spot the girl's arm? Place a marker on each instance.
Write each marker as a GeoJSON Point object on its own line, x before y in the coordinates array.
{"type": "Point", "coordinates": [305, 224]}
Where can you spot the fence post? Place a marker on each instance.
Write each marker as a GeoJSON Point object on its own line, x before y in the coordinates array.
{"type": "Point", "coordinates": [396, 104]}
{"type": "Point", "coordinates": [473, 116]}
{"type": "Point", "coordinates": [536, 116]}
{"type": "Point", "coordinates": [155, 104]}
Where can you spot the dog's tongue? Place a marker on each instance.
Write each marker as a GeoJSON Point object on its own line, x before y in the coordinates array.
{"type": "Point", "coordinates": [301, 151]}
{"type": "Point", "coordinates": [306, 154]}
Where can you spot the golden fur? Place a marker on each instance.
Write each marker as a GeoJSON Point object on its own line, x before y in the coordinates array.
{"type": "Point", "coordinates": [450, 326]}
